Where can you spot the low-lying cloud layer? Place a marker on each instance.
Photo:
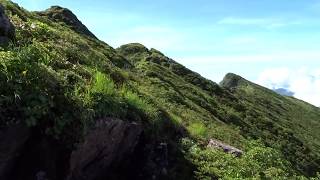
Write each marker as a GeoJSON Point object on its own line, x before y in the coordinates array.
{"type": "Point", "coordinates": [303, 82]}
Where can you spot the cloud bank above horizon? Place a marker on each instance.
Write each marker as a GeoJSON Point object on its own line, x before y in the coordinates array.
{"type": "Point", "coordinates": [303, 82]}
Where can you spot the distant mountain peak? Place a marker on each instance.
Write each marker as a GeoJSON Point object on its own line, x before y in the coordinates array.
{"type": "Point", "coordinates": [152, 50]}
{"type": "Point", "coordinates": [135, 52]}
{"type": "Point", "coordinates": [132, 48]}
{"type": "Point", "coordinates": [57, 8]}
{"type": "Point", "coordinates": [61, 14]}
{"type": "Point", "coordinates": [283, 91]}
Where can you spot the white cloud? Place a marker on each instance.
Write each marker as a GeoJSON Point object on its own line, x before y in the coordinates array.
{"type": "Point", "coordinates": [275, 78]}
{"type": "Point", "coordinates": [304, 82]}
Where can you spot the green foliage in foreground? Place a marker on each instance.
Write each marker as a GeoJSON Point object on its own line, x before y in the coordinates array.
{"type": "Point", "coordinates": [258, 162]}
{"type": "Point", "coordinates": [57, 99]}
{"type": "Point", "coordinates": [60, 82]}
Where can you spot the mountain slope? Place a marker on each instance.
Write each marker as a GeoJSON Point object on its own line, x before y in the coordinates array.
{"type": "Point", "coordinates": [262, 114]}
{"type": "Point", "coordinates": [277, 116]}
{"type": "Point", "coordinates": [66, 96]}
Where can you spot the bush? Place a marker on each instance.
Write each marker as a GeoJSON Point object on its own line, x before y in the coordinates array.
{"type": "Point", "coordinates": [103, 85]}
{"type": "Point", "coordinates": [197, 129]}
{"type": "Point", "coordinates": [258, 162]}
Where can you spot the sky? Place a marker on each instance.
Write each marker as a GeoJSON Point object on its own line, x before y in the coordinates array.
{"type": "Point", "coordinates": [275, 43]}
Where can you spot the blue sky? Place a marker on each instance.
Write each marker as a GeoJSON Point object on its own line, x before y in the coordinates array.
{"type": "Point", "coordinates": [271, 42]}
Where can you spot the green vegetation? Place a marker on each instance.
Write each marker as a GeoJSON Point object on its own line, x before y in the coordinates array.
{"type": "Point", "coordinates": [283, 123]}
{"type": "Point", "coordinates": [259, 162]}
{"type": "Point", "coordinates": [61, 81]}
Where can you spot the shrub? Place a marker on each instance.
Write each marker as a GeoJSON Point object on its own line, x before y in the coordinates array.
{"type": "Point", "coordinates": [258, 162]}
{"type": "Point", "coordinates": [102, 84]}
{"type": "Point", "coordinates": [197, 129]}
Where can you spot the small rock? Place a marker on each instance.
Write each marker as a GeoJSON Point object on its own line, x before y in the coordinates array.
{"type": "Point", "coordinates": [213, 143]}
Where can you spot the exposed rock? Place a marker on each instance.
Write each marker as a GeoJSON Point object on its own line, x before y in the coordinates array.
{"type": "Point", "coordinates": [12, 141]}
{"type": "Point", "coordinates": [42, 158]}
{"type": "Point", "coordinates": [59, 14]}
{"type": "Point", "coordinates": [213, 143]}
{"type": "Point", "coordinates": [160, 160]}
{"type": "Point", "coordinates": [104, 150]}
{"type": "Point", "coordinates": [7, 30]}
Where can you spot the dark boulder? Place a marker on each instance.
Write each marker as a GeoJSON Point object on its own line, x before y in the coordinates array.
{"type": "Point", "coordinates": [105, 150]}
{"type": "Point", "coordinates": [7, 30]}
{"type": "Point", "coordinates": [12, 142]}
{"type": "Point", "coordinates": [42, 158]}
{"type": "Point", "coordinates": [158, 162]}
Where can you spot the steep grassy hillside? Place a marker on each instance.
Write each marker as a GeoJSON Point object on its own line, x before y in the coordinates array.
{"type": "Point", "coordinates": [59, 81]}
{"type": "Point", "coordinates": [284, 122]}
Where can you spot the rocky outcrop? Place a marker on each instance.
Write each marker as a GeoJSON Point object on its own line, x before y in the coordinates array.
{"type": "Point", "coordinates": [60, 14]}
{"type": "Point", "coordinates": [213, 143]}
{"type": "Point", "coordinates": [113, 149]}
{"type": "Point", "coordinates": [232, 81]}
{"type": "Point", "coordinates": [134, 52]}
{"type": "Point", "coordinates": [132, 49]}
{"type": "Point", "coordinates": [7, 30]}
{"type": "Point", "coordinates": [158, 161]}
{"type": "Point", "coordinates": [42, 158]}
{"type": "Point", "coordinates": [105, 150]}
{"type": "Point", "coordinates": [12, 141]}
